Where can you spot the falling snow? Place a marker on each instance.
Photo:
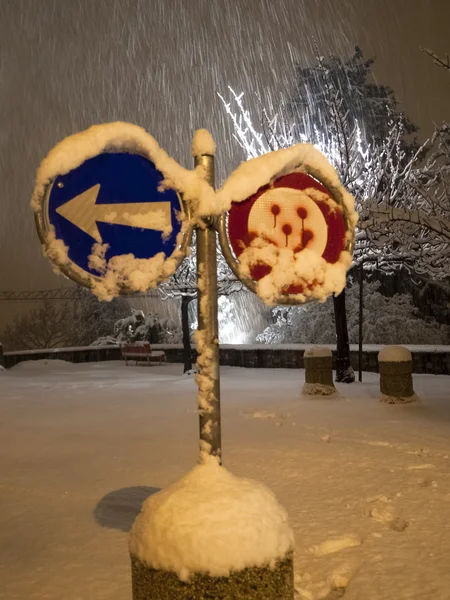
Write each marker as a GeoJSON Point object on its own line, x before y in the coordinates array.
{"type": "Point", "coordinates": [64, 68]}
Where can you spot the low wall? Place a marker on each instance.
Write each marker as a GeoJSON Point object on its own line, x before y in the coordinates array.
{"type": "Point", "coordinates": [426, 359]}
{"type": "Point", "coordinates": [75, 355]}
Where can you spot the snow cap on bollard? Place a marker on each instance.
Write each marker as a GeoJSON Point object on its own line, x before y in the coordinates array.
{"type": "Point", "coordinates": [395, 367]}
{"type": "Point", "coordinates": [318, 363]}
{"type": "Point", "coordinates": [317, 352]}
{"type": "Point", "coordinates": [394, 354]}
{"type": "Point", "coordinates": [212, 531]}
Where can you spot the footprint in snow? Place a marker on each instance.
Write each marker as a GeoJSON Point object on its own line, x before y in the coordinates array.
{"type": "Point", "coordinates": [386, 514]}
{"type": "Point", "coordinates": [333, 545]}
{"type": "Point", "coordinates": [265, 416]}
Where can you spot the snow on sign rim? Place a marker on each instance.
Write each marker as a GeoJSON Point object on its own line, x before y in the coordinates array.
{"type": "Point", "coordinates": [291, 241]}
{"type": "Point", "coordinates": [108, 210]}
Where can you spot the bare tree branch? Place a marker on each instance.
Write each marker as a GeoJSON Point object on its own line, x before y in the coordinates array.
{"type": "Point", "coordinates": [441, 62]}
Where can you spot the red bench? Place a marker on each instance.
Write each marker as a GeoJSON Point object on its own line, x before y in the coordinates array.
{"type": "Point", "coordinates": [141, 351]}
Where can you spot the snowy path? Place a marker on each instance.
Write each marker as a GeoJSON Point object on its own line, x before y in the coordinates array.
{"type": "Point", "coordinates": [81, 446]}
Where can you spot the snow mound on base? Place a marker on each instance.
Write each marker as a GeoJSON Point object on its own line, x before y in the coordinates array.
{"type": "Point", "coordinates": [398, 399]}
{"type": "Point", "coordinates": [211, 522]}
{"type": "Point", "coordinates": [319, 389]}
{"type": "Point", "coordinates": [394, 354]}
{"type": "Point", "coordinates": [318, 352]}
{"type": "Point", "coordinates": [44, 363]}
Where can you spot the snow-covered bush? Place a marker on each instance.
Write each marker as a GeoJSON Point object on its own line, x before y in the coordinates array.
{"type": "Point", "coordinates": [386, 320]}
{"type": "Point", "coordinates": [139, 327]}
{"type": "Point", "coordinates": [56, 324]}
{"type": "Point", "coordinates": [106, 340]}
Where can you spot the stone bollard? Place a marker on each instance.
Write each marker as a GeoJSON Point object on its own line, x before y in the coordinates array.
{"type": "Point", "coordinates": [318, 372]}
{"type": "Point", "coordinates": [395, 367]}
{"type": "Point", "coordinates": [212, 535]}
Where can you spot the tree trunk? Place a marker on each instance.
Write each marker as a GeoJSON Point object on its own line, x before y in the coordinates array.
{"type": "Point", "coordinates": [187, 354]}
{"type": "Point", "coordinates": [344, 370]}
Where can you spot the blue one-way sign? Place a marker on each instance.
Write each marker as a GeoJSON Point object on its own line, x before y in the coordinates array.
{"type": "Point", "coordinates": [113, 199]}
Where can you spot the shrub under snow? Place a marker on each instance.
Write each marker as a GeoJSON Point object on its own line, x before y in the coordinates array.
{"type": "Point", "coordinates": [387, 320]}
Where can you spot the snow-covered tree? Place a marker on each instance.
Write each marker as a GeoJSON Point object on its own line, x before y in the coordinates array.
{"type": "Point", "coordinates": [386, 320]}
{"type": "Point", "coordinates": [327, 110]}
{"type": "Point", "coordinates": [138, 327]}
{"type": "Point", "coordinates": [345, 147]}
{"type": "Point", "coordinates": [409, 222]}
{"type": "Point", "coordinates": [183, 285]}
{"type": "Point", "coordinates": [373, 170]}
{"type": "Point", "coordinates": [362, 100]}
{"type": "Point", "coordinates": [41, 327]}
{"type": "Point", "coordinates": [403, 202]}
{"type": "Point", "coordinates": [415, 221]}
{"type": "Point", "coordinates": [88, 318]}
{"type": "Point", "coordinates": [412, 219]}
{"type": "Point", "coordinates": [77, 322]}
{"type": "Point", "coordinates": [150, 328]}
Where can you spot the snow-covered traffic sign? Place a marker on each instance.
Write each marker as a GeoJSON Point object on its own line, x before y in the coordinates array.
{"type": "Point", "coordinates": [291, 241]}
{"type": "Point", "coordinates": [113, 199]}
{"type": "Point", "coordinates": [107, 215]}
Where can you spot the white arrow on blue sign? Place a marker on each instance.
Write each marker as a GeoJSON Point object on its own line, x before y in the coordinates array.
{"type": "Point", "coordinates": [114, 198]}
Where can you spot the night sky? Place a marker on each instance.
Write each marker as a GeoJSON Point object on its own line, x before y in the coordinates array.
{"type": "Point", "coordinates": [67, 64]}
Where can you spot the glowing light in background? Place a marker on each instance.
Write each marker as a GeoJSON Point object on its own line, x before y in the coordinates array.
{"type": "Point", "coordinates": [241, 317]}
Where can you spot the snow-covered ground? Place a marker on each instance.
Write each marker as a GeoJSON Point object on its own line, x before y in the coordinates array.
{"type": "Point", "coordinates": [366, 485]}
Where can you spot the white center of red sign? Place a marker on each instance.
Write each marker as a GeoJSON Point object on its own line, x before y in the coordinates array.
{"type": "Point", "coordinates": [295, 212]}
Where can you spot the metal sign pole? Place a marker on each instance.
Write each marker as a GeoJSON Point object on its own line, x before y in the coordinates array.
{"type": "Point", "coordinates": [210, 426]}
{"type": "Point", "coordinates": [361, 316]}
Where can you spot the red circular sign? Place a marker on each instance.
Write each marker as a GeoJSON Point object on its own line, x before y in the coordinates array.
{"type": "Point", "coordinates": [295, 212]}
